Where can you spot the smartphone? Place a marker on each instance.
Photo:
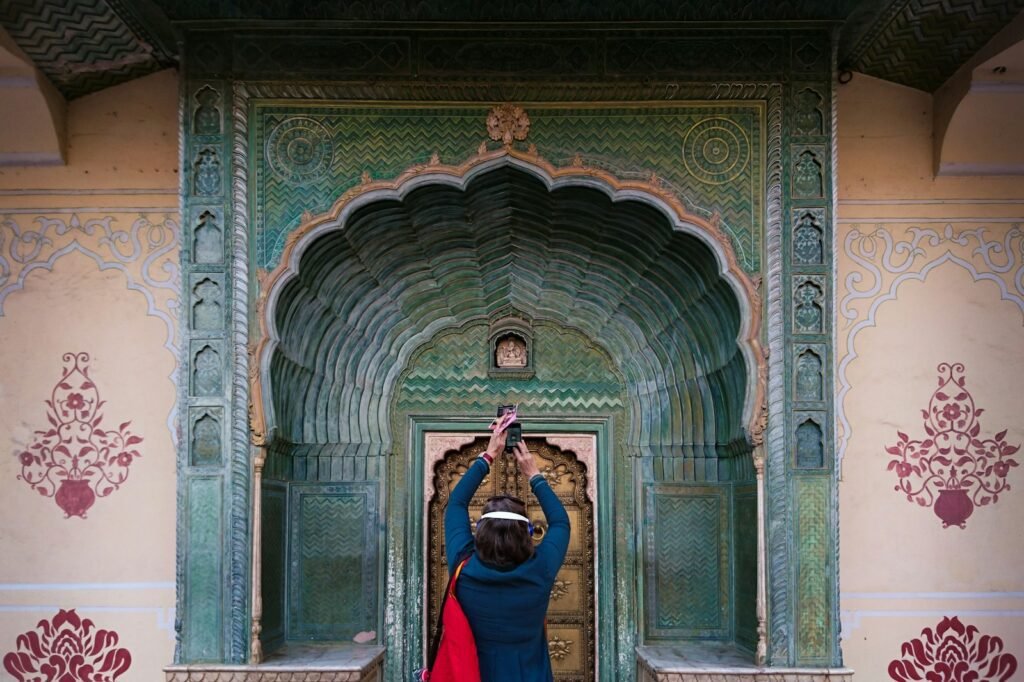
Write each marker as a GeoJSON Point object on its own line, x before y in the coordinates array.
{"type": "Point", "coordinates": [514, 430]}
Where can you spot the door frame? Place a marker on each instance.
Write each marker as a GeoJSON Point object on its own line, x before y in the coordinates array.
{"type": "Point", "coordinates": [605, 606]}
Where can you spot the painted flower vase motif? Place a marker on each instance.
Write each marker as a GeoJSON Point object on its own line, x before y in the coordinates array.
{"type": "Point", "coordinates": [954, 507]}
{"type": "Point", "coordinates": [953, 470]}
{"type": "Point", "coordinates": [953, 652]}
{"type": "Point", "coordinates": [77, 460]}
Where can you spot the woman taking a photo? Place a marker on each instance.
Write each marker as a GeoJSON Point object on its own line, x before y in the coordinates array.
{"type": "Point", "coordinates": [505, 586]}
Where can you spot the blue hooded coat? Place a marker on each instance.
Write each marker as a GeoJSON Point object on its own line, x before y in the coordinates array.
{"type": "Point", "coordinates": [506, 607]}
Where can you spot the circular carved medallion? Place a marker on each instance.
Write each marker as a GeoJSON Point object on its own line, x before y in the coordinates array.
{"type": "Point", "coordinates": [299, 150]}
{"type": "Point", "coordinates": [716, 150]}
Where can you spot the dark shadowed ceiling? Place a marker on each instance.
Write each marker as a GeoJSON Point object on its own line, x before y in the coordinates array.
{"type": "Point", "coordinates": [86, 45]}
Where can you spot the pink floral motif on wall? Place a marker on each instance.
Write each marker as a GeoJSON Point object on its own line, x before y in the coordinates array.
{"type": "Point", "coordinates": [67, 648]}
{"type": "Point", "coordinates": [953, 470]}
{"type": "Point", "coordinates": [76, 459]}
{"type": "Point", "coordinates": [953, 652]}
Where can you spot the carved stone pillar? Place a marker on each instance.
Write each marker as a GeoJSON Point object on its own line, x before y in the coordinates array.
{"type": "Point", "coordinates": [255, 646]}
{"type": "Point", "coordinates": [761, 653]}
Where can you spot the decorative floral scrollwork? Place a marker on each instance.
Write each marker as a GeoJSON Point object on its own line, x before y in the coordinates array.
{"type": "Point", "coordinates": [559, 648]}
{"type": "Point", "coordinates": [66, 649]}
{"type": "Point", "coordinates": [507, 122]}
{"type": "Point", "coordinates": [952, 470]}
{"type": "Point", "coordinates": [554, 473]}
{"type": "Point", "coordinates": [559, 589]}
{"type": "Point", "coordinates": [953, 653]}
{"type": "Point", "coordinates": [76, 460]}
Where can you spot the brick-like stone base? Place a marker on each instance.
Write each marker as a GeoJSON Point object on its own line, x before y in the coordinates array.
{"type": "Point", "coordinates": [669, 664]}
{"type": "Point", "coordinates": [362, 664]}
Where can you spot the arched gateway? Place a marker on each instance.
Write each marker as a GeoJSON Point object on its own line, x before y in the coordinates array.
{"type": "Point", "coordinates": [634, 340]}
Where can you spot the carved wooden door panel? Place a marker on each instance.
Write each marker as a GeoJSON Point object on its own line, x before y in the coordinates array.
{"type": "Point", "coordinates": [570, 620]}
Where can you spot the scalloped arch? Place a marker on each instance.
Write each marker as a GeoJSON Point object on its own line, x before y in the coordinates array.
{"type": "Point", "coordinates": [393, 263]}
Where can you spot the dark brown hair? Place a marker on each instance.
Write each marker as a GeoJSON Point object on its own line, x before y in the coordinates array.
{"type": "Point", "coordinates": [504, 543]}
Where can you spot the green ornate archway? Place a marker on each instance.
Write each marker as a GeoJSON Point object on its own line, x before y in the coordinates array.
{"type": "Point", "coordinates": [393, 268]}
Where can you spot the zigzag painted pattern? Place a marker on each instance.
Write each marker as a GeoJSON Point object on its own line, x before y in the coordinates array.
{"type": "Point", "coordinates": [331, 538]}
{"type": "Point", "coordinates": [813, 612]}
{"type": "Point", "coordinates": [923, 42]}
{"type": "Point", "coordinates": [81, 46]}
{"type": "Point", "coordinates": [687, 562]}
{"type": "Point", "coordinates": [630, 142]}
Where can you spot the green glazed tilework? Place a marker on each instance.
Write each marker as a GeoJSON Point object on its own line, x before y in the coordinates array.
{"type": "Point", "coordinates": [333, 533]}
{"type": "Point", "coordinates": [450, 376]}
{"type": "Point", "coordinates": [814, 569]}
{"type": "Point", "coordinates": [687, 562]}
{"type": "Point", "coordinates": [204, 600]}
{"type": "Point", "coordinates": [711, 156]}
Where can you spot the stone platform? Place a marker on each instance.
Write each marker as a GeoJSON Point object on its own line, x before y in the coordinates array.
{"type": "Point", "coordinates": [295, 663]}
{"type": "Point", "coordinates": [712, 662]}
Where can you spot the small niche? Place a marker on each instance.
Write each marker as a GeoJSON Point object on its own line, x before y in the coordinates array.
{"type": "Point", "coordinates": [206, 372]}
{"type": "Point", "coordinates": [208, 240]}
{"type": "Point", "coordinates": [206, 308]}
{"type": "Point", "coordinates": [206, 440]}
{"type": "Point", "coordinates": [810, 451]}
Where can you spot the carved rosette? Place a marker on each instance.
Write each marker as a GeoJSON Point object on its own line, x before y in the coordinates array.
{"type": "Point", "coordinates": [508, 122]}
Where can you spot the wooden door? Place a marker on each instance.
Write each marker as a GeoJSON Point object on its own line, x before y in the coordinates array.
{"type": "Point", "coordinates": [570, 620]}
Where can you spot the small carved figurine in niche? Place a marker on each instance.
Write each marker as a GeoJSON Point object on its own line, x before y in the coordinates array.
{"type": "Point", "coordinates": [207, 246]}
{"type": "Point", "coordinates": [206, 177]}
{"type": "Point", "coordinates": [207, 118]}
{"type": "Point", "coordinates": [807, 180]}
{"type": "Point", "coordinates": [511, 352]}
{"type": "Point", "coordinates": [206, 309]}
{"type": "Point", "coordinates": [808, 117]}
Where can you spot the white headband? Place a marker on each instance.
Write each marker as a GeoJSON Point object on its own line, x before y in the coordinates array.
{"type": "Point", "coordinates": [504, 515]}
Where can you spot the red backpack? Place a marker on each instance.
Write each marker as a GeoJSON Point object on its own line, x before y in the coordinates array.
{"type": "Point", "coordinates": [453, 652]}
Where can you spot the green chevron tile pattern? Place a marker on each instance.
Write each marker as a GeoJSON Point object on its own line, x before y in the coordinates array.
{"type": "Point", "coordinates": [687, 561]}
{"type": "Point", "coordinates": [711, 156]}
{"type": "Point", "coordinates": [81, 46]}
{"type": "Point", "coordinates": [203, 568]}
{"type": "Point", "coordinates": [333, 534]}
{"type": "Point", "coordinates": [450, 376]}
{"type": "Point", "coordinates": [921, 43]}
{"type": "Point", "coordinates": [813, 614]}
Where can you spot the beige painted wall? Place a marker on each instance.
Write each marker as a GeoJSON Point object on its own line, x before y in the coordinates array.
{"type": "Point", "coordinates": [930, 270]}
{"type": "Point", "coordinates": [957, 295]}
{"type": "Point", "coordinates": [89, 263]}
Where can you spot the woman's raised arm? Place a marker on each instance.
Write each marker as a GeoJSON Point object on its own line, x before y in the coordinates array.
{"type": "Point", "coordinates": [458, 535]}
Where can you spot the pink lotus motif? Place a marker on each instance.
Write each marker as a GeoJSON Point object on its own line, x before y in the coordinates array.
{"type": "Point", "coordinates": [952, 470]}
{"type": "Point", "coordinates": [953, 653]}
{"type": "Point", "coordinates": [67, 649]}
{"type": "Point", "coordinates": [76, 460]}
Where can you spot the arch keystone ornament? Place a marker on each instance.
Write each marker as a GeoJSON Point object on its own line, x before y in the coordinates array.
{"type": "Point", "coordinates": [508, 122]}
{"type": "Point", "coordinates": [77, 460]}
{"type": "Point", "coordinates": [952, 470]}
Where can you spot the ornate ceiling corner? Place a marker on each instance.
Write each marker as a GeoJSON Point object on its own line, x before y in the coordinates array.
{"type": "Point", "coordinates": [82, 47]}
{"type": "Point", "coordinates": [921, 43]}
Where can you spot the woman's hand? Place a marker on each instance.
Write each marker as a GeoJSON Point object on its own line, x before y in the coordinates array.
{"type": "Point", "coordinates": [496, 446]}
{"type": "Point", "coordinates": [526, 462]}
